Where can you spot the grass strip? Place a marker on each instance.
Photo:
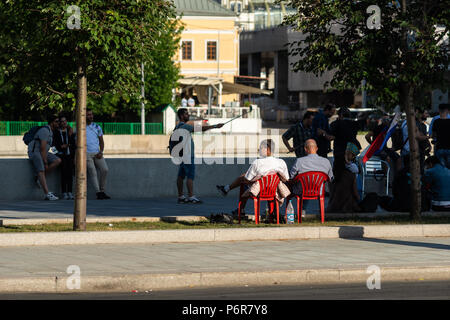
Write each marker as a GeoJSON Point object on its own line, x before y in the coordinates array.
{"type": "Point", "coordinates": [130, 225]}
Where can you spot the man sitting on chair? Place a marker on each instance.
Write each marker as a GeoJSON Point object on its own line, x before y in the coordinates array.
{"type": "Point", "coordinates": [311, 162]}
{"type": "Point", "coordinates": [261, 167]}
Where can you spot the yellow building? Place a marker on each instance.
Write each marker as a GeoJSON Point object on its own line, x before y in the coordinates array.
{"type": "Point", "coordinates": [209, 45]}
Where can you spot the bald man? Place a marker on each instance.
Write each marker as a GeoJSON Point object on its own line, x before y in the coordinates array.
{"type": "Point", "coordinates": [311, 162]}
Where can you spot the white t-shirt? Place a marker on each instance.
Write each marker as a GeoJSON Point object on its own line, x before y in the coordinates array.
{"type": "Point", "coordinates": [93, 132]}
{"type": "Point", "coordinates": [184, 102]}
{"type": "Point", "coordinates": [191, 102]}
{"type": "Point", "coordinates": [262, 167]}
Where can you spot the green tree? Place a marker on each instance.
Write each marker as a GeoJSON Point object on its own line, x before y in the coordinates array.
{"type": "Point", "coordinates": [53, 48]}
{"type": "Point", "coordinates": [402, 56]}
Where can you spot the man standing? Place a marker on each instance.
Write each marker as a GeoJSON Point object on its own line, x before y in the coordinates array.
{"type": "Point", "coordinates": [184, 102]}
{"type": "Point", "coordinates": [300, 132]}
{"type": "Point", "coordinates": [95, 146]}
{"type": "Point", "coordinates": [444, 113]}
{"type": "Point", "coordinates": [321, 130]}
{"type": "Point", "coordinates": [187, 167]}
{"type": "Point", "coordinates": [43, 162]}
{"type": "Point", "coordinates": [191, 102]}
{"type": "Point", "coordinates": [441, 134]}
{"type": "Point", "coordinates": [344, 130]}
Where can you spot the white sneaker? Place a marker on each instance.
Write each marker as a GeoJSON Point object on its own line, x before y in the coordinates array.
{"type": "Point", "coordinates": [50, 196]}
{"type": "Point", "coordinates": [70, 195]}
{"type": "Point", "coordinates": [66, 196]}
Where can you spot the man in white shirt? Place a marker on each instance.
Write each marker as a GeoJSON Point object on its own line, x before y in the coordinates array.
{"type": "Point", "coordinates": [191, 102]}
{"type": "Point", "coordinates": [95, 146]}
{"type": "Point", "coordinates": [184, 102]}
{"type": "Point", "coordinates": [259, 168]}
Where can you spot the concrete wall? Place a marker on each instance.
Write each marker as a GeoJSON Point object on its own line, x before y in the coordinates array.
{"type": "Point", "coordinates": [155, 144]}
{"type": "Point", "coordinates": [13, 146]}
{"type": "Point", "coordinates": [128, 178]}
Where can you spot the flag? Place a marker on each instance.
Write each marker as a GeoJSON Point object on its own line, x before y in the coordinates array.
{"type": "Point", "coordinates": [381, 140]}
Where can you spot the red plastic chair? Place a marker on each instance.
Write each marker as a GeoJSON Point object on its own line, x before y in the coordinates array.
{"type": "Point", "coordinates": [313, 188]}
{"type": "Point", "coordinates": [268, 191]}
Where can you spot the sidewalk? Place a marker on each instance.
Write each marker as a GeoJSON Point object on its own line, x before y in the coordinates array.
{"type": "Point", "coordinates": [141, 267]}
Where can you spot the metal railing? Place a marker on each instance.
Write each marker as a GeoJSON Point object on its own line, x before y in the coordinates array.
{"type": "Point", "coordinates": [224, 112]}
{"type": "Point", "coordinates": [18, 128]}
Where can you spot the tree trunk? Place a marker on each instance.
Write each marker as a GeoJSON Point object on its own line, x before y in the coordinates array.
{"type": "Point", "coordinates": [414, 155]}
{"type": "Point", "coordinates": [406, 97]}
{"type": "Point", "coordinates": [79, 218]}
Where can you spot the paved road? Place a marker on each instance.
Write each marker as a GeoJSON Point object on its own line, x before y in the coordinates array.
{"type": "Point", "coordinates": [409, 290]}
{"type": "Point", "coordinates": [119, 259]}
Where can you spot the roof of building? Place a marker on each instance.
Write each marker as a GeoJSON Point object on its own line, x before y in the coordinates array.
{"type": "Point", "coordinates": [202, 8]}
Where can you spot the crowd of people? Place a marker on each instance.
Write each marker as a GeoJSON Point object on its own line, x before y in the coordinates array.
{"type": "Point", "coordinates": [311, 137]}
{"type": "Point", "coordinates": [61, 138]}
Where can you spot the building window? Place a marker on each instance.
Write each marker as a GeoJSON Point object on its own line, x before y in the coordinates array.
{"type": "Point", "coordinates": [186, 50]}
{"type": "Point", "coordinates": [211, 50]}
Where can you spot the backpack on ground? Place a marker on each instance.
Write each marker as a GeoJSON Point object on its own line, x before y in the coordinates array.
{"type": "Point", "coordinates": [30, 134]}
{"type": "Point", "coordinates": [221, 218]}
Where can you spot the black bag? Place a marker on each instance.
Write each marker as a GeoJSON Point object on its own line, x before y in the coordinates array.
{"type": "Point", "coordinates": [369, 203]}
{"type": "Point", "coordinates": [221, 218]}
{"type": "Point", "coordinates": [173, 143]}
{"type": "Point", "coordinates": [29, 135]}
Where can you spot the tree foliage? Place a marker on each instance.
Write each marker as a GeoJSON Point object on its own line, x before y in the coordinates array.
{"type": "Point", "coordinates": [39, 52]}
{"type": "Point", "coordinates": [336, 37]}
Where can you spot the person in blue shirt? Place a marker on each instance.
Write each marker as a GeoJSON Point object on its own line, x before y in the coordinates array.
{"type": "Point", "coordinates": [187, 166]}
{"type": "Point", "coordinates": [437, 182]}
{"type": "Point", "coordinates": [94, 156]}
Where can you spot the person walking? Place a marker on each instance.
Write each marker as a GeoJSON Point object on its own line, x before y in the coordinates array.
{"type": "Point", "coordinates": [64, 142]}
{"type": "Point", "coordinates": [95, 146]}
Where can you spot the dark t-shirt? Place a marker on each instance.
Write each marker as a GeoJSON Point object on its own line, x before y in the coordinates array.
{"type": "Point", "coordinates": [441, 129]}
{"type": "Point", "coordinates": [344, 131]}
{"type": "Point", "coordinates": [377, 130]}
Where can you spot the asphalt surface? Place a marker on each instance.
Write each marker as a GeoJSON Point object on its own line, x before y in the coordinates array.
{"type": "Point", "coordinates": [232, 256]}
{"type": "Point", "coordinates": [406, 290]}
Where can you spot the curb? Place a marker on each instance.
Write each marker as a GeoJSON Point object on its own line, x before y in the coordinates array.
{"type": "Point", "coordinates": [145, 282]}
{"type": "Point", "coordinates": [19, 222]}
{"type": "Point", "coordinates": [6, 222]}
{"type": "Point", "coordinates": [217, 235]}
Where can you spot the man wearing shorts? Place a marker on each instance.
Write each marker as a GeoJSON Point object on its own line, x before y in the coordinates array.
{"type": "Point", "coordinates": [187, 167]}
{"type": "Point", "coordinates": [43, 161]}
